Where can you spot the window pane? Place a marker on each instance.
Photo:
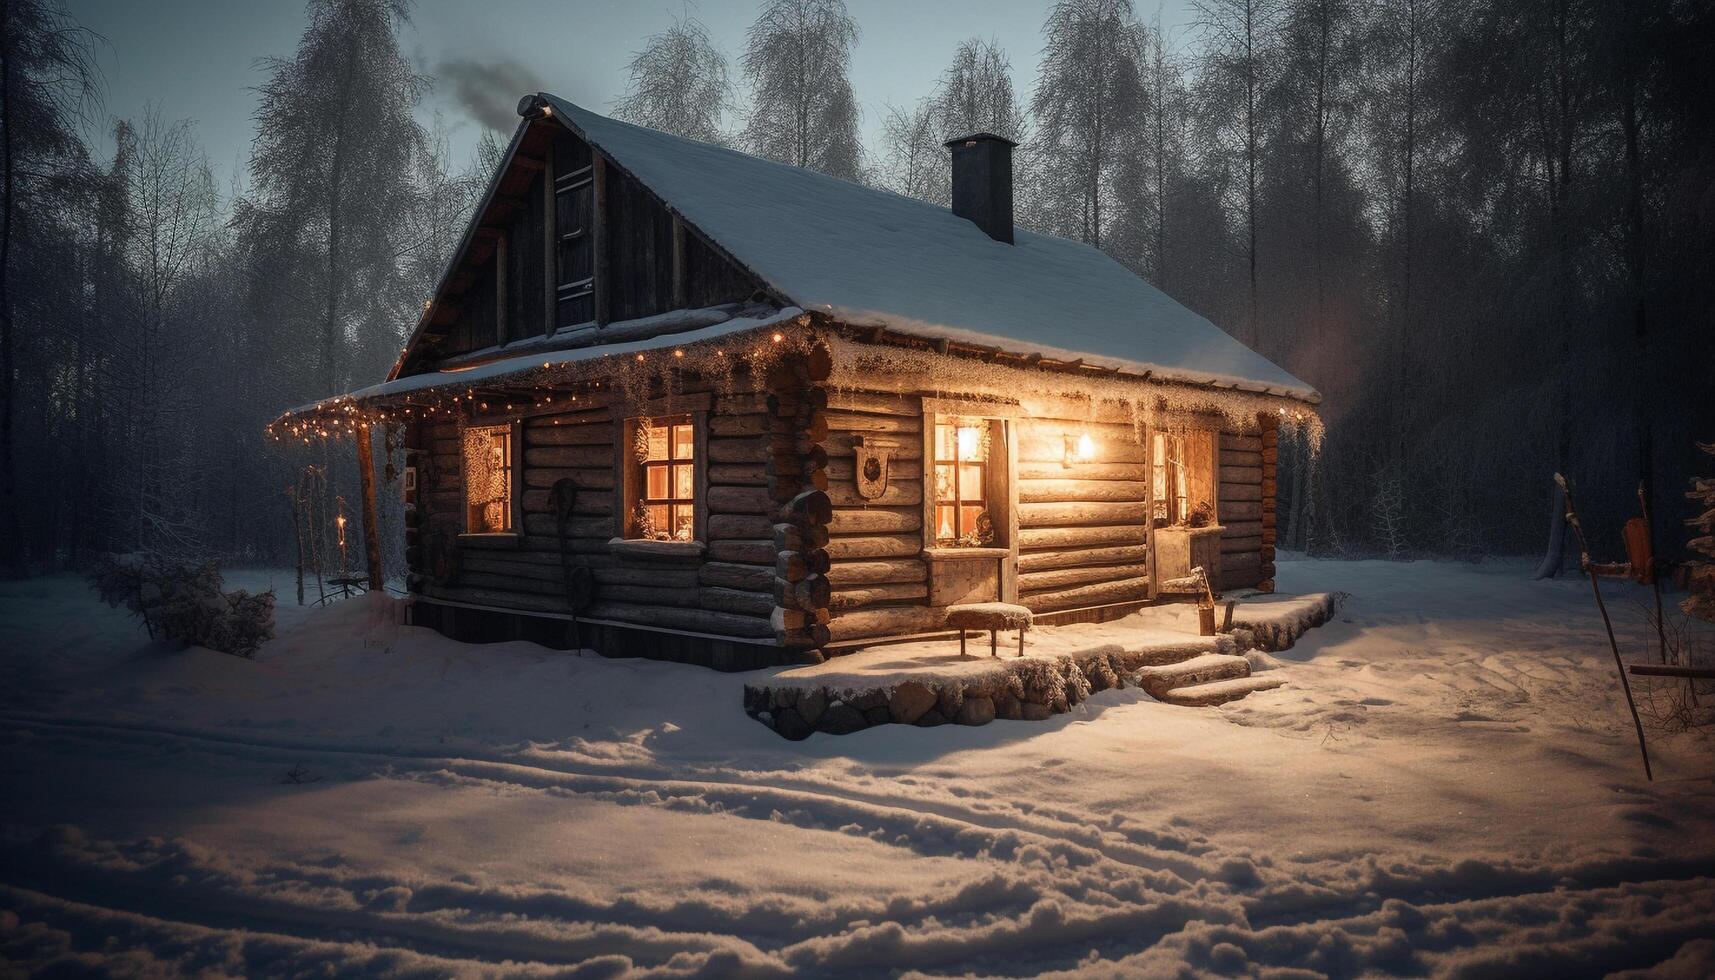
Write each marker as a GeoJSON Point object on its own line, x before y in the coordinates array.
{"type": "Point", "coordinates": [658, 442]}
{"type": "Point", "coordinates": [971, 443]}
{"type": "Point", "coordinates": [968, 519]}
{"type": "Point", "coordinates": [488, 478]}
{"type": "Point", "coordinates": [660, 515]}
{"type": "Point", "coordinates": [944, 481]}
{"type": "Point", "coordinates": [684, 482]}
{"type": "Point", "coordinates": [971, 481]}
{"type": "Point", "coordinates": [944, 448]}
{"type": "Point", "coordinates": [683, 523]}
{"type": "Point", "coordinates": [682, 442]}
{"type": "Point", "coordinates": [945, 522]}
{"type": "Point", "coordinates": [657, 483]}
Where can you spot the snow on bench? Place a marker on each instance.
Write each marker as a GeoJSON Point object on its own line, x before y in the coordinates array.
{"type": "Point", "coordinates": [991, 616]}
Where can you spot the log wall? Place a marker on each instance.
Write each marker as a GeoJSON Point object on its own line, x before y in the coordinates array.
{"type": "Point", "coordinates": [798, 498]}
{"type": "Point", "coordinates": [794, 557]}
{"type": "Point", "coordinates": [729, 590]}
{"type": "Point", "coordinates": [1081, 539]}
{"type": "Point", "coordinates": [1246, 508]}
{"type": "Point", "coordinates": [879, 580]}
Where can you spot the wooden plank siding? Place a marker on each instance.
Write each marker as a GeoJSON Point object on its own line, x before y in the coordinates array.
{"type": "Point", "coordinates": [504, 285]}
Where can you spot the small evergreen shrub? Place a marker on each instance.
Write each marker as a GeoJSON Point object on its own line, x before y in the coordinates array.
{"type": "Point", "coordinates": [184, 602]}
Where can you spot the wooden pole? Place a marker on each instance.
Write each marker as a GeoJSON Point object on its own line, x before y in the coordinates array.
{"type": "Point", "coordinates": [1650, 572]}
{"type": "Point", "coordinates": [1602, 607]}
{"type": "Point", "coordinates": [371, 532]}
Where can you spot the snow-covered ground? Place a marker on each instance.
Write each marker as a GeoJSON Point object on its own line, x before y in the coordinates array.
{"type": "Point", "coordinates": [1448, 785]}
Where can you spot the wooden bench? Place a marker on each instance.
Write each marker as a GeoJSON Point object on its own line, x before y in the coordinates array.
{"type": "Point", "coordinates": [991, 616]}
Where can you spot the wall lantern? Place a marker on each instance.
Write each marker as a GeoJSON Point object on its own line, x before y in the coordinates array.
{"type": "Point", "coordinates": [1081, 449]}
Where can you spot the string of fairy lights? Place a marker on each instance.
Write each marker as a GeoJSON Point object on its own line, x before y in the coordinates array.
{"type": "Point", "coordinates": [642, 375]}
{"type": "Point", "coordinates": [570, 385]}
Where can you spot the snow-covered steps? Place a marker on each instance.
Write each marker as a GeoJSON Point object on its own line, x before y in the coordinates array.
{"type": "Point", "coordinates": [1202, 669]}
{"type": "Point", "coordinates": [1217, 692]}
{"type": "Point", "coordinates": [926, 683]}
{"type": "Point", "coordinates": [1275, 622]}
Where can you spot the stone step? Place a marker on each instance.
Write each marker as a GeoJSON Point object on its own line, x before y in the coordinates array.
{"type": "Point", "coordinates": [1158, 656]}
{"type": "Point", "coordinates": [1200, 669]}
{"type": "Point", "coordinates": [1217, 692]}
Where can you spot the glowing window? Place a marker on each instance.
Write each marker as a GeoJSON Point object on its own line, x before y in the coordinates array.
{"type": "Point", "coordinates": [665, 479]}
{"type": "Point", "coordinates": [961, 483]}
{"type": "Point", "coordinates": [488, 478]}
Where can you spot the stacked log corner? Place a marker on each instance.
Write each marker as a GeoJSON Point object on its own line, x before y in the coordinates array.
{"type": "Point", "coordinates": [1270, 457]}
{"type": "Point", "coordinates": [798, 484]}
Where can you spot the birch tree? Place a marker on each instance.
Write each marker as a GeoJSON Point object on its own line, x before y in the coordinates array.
{"type": "Point", "coordinates": [331, 171]}
{"type": "Point", "coordinates": [1089, 106]}
{"type": "Point", "coordinates": [914, 161]}
{"type": "Point", "coordinates": [803, 112]}
{"type": "Point", "coordinates": [678, 84]}
{"type": "Point", "coordinates": [976, 94]}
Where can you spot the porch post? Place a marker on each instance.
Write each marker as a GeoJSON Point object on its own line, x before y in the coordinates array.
{"type": "Point", "coordinates": [371, 533]}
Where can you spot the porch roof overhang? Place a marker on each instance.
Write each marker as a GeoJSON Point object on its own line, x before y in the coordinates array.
{"type": "Point", "coordinates": [533, 362]}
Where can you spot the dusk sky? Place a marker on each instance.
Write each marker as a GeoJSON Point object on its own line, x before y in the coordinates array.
{"type": "Point", "coordinates": [198, 58]}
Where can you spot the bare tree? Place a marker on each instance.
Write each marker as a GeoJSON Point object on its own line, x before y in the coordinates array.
{"type": "Point", "coordinates": [443, 204]}
{"type": "Point", "coordinates": [47, 78]}
{"type": "Point", "coordinates": [336, 138]}
{"type": "Point", "coordinates": [1167, 104]}
{"type": "Point", "coordinates": [1238, 38]}
{"type": "Point", "coordinates": [173, 217]}
{"type": "Point", "coordinates": [976, 94]}
{"type": "Point", "coordinates": [1399, 35]}
{"type": "Point", "coordinates": [1089, 101]}
{"type": "Point", "coordinates": [678, 84]}
{"type": "Point", "coordinates": [913, 160]}
{"type": "Point", "coordinates": [803, 111]}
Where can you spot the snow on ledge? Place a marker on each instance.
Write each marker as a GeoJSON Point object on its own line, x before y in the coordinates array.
{"type": "Point", "coordinates": [927, 682]}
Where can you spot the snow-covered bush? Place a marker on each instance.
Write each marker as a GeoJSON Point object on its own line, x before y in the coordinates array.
{"type": "Point", "coordinates": [184, 602]}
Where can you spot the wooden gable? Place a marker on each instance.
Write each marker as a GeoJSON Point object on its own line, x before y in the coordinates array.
{"type": "Point", "coordinates": [566, 238]}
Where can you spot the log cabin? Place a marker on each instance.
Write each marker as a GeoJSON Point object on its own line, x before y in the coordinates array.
{"type": "Point", "coordinates": [670, 400]}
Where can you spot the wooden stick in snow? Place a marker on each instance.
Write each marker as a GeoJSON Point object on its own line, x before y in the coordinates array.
{"type": "Point", "coordinates": [1602, 607]}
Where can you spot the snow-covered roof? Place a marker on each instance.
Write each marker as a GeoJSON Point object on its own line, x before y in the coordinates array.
{"type": "Point", "coordinates": [869, 256]}
{"type": "Point", "coordinates": [532, 362]}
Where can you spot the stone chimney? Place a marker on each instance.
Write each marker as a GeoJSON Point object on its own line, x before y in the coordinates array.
{"type": "Point", "coordinates": [982, 182]}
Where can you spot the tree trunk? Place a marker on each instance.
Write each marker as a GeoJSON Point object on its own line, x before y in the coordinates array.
{"type": "Point", "coordinates": [1251, 163]}
{"type": "Point", "coordinates": [11, 532]}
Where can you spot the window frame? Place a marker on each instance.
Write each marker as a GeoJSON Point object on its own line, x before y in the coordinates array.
{"type": "Point", "coordinates": [514, 470]}
{"type": "Point", "coordinates": [986, 479]}
{"type": "Point", "coordinates": [634, 476]}
{"type": "Point", "coordinates": [1196, 469]}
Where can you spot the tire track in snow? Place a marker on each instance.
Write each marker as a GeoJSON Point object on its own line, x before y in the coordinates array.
{"type": "Point", "coordinates": [340, 938]}
{"type": "Point", "coordinates": [1065, 893]}
{"type": "Point", "coordinates": [1080, 843]}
